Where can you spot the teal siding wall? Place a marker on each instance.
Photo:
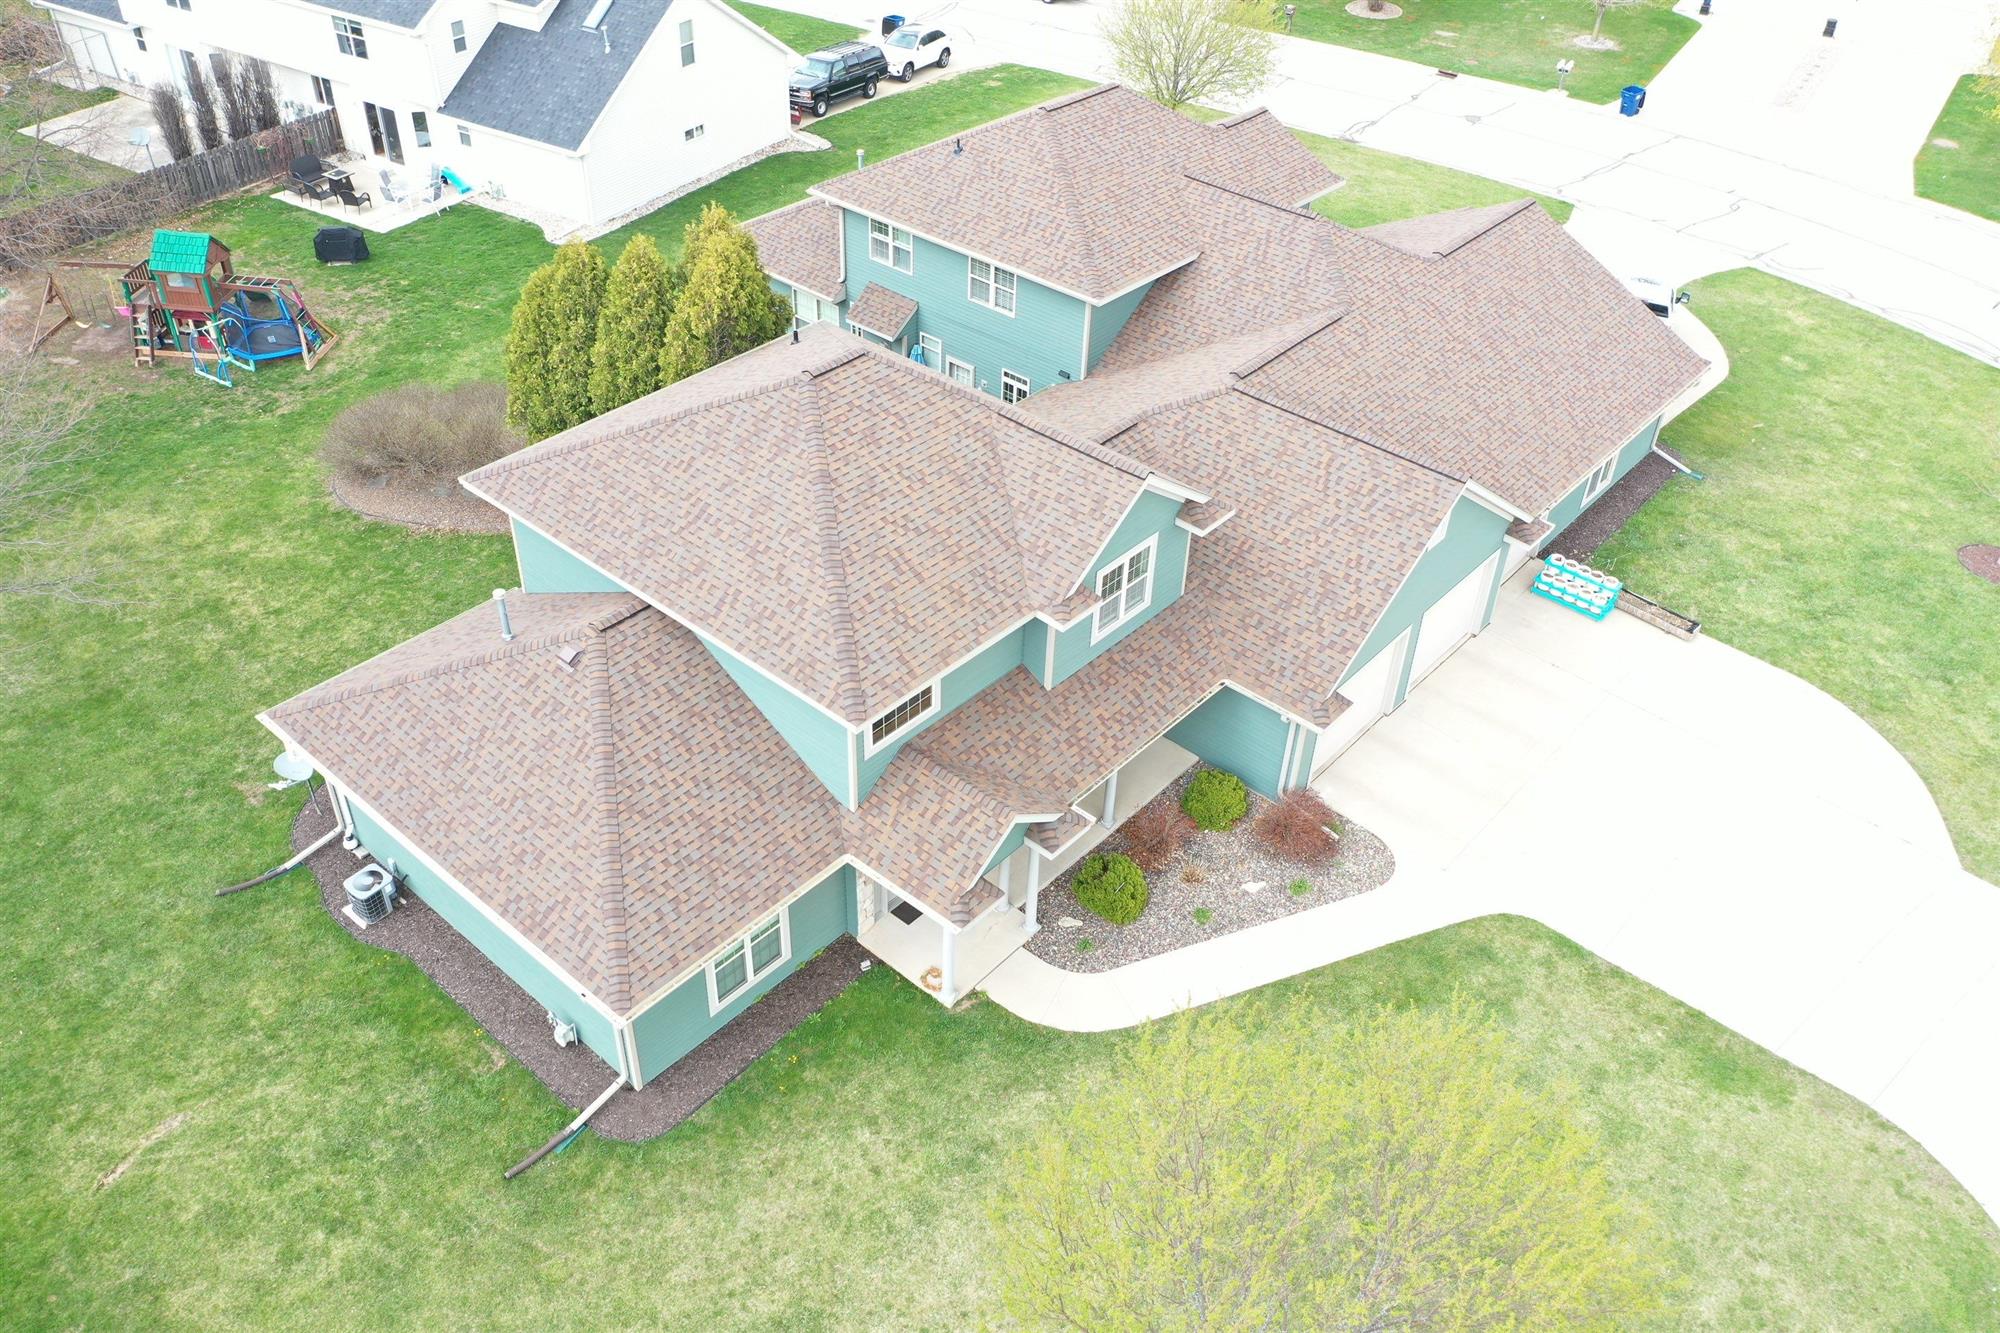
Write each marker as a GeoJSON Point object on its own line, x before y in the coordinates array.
{"type": "Point", "coordinates": [1035, 649]}
{"type": "Point", "coordinates": [1042, 339]}
{"type": "Point", "coordinates": [822, 743]}
{"type": "Point", "coordinates": [960, 684]}
{"type": "Point", "coordinates": [680, 1022]}
{"type": "Point", "coordinates": [1474, 534]}
{"type": "Point", "coordinates": [547, 567]}
{"type": "Point", "coordinates": [1108, 321]}
{"type": "Point", "coordinates": [1008, 846]}
{"type": "Point", "coordinates": [1565, 510]}
{"type": "Point", "coordinates": [1153, 514]}
{"type": "Point", "coordinates": [1233, 731]}
{"type": "Point", "coordinates": [464, 917]}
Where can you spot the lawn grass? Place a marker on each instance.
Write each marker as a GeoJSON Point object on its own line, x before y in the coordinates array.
{"type": "Point", "coordinates": [1847, 460]}
{"type": "Point", "coordinates": [31, 173]}
{"type": "Point", "coordinates": [346, 1123]}
{"type": "Point", "coordinates": [1960, 163]}
{"type": "Point", "coordinates": [1515, 41]}
{"type": "Point", "coordinates": [1384, 187]}
{"type": "Point", "coordinates": [801, 32]}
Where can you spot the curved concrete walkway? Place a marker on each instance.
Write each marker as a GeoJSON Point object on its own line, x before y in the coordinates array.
{"type": "Point", "coordinates": [1762, 854]}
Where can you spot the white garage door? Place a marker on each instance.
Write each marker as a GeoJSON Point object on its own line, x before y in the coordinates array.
{"type": "Point", "coordinates": [1453, 619]}
{"type": "Point", "coordinates": [1368, 691]}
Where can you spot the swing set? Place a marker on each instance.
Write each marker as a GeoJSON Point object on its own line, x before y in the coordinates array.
{"type": "Point", "coordinates": [186, 302]}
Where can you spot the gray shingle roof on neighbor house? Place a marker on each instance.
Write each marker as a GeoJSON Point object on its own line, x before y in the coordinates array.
{"type": "Point", "coordinates": [97, 9]}
{"type": "Point", "coordinates": [551, 86]}
{"type": "Point", "coordinates": [395, 13]}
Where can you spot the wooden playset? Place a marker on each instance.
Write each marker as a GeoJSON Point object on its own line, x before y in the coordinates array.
{"type": "Point", "coordinates": [186, 302]}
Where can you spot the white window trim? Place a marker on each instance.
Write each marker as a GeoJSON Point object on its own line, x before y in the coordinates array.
{"type": "Point", "coordinates": [716, 1004]}
{"type": "Point", "coordinates": [993, 272]}
{"type": "Point", "coordinates": [971, 380]}
{"type": "Point", "coordinates": [929, 341]}
{"type": "Point", "coordinates": [1152, 548]}
{"type": "Point", "coordinates": [1027, 385]}
{"type": "Point", "coordinates": [890, 262]}
{"type": "Point", "coordinates": [1608, 469]}
{"type": "Point", "coordinates": [870, 746]}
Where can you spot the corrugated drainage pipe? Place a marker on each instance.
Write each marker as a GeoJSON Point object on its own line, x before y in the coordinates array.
{"type": "Point", "coordinates": [569, 1131]}
{"type": "Point", "coordinates": [285, 869]}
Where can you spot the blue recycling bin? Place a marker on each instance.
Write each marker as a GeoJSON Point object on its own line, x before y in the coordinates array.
{"type": "Point", "coordinates": [1631, 99]}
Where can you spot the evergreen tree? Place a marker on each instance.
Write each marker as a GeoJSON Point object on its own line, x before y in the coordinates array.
{"type": "Point", "coordinates": [550, 341]}
{"type": "Point", "coordinates": [632, 326]}
{"type": "Point", "coordinates": [726, 305]}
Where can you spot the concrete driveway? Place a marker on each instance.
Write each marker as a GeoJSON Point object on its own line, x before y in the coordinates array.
{"type": "Point", "coordinates": [1706, 821]}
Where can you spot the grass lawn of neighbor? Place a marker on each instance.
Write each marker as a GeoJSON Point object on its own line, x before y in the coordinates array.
{"type": "Point", "coordinates": [1515, 41]}
{"type": "Point", "coordinates": [1960, 163]}
{"type": "Point", "coordinates": [1385, 187]}
{"type": "Point", "coordinates": [228, 1113]}
{"type": "Point", "coordinates": [32, 174]}
{"type": "Point", "coordinates": [801, 32]}
{"type": "Point", "coordinates": [1847, 460]}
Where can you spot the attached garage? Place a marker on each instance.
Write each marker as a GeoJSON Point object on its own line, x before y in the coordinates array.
{"type": "Point", "coordinates": [1453, 618]}
{"type": "Point", "coordinates": [1369, 692]}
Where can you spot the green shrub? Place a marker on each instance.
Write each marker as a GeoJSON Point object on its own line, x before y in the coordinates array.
{"type": "Point", "coordinates": [1112, 886]}
{"type": "Point", "coordinates": [1301, 887]}
{"type": "Point", "coordinates": [1215, 800]}
{"type": "Point", "coordinates": [1202, 916]}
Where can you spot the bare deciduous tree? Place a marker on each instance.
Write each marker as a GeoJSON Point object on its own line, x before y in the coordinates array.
{"type": "Point", "coordinates": [236, 115]}
{"type": "Point", "coordinates": [1182, 51]}
{"type": "Point", "coordinates": [170, 114]}
{"type": "Point", "coordinates": [258, 93]}
{"type": "Point", "coordinates": [41, 453]}
{"type": "Point", "coordinates": [1597, 37]}
{"type": "Point", "coordinates": [201, 97]}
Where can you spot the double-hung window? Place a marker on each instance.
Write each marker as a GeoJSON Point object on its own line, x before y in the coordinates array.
{"type": "Point", "coordinates": [749, 960]}
{"type": "Point", "coordinates": [347, 36]}
{"type": "Point", "coordinates": [989, 285]}
{"type": "Point", "coordinates": [322, 90]}
{"type": "Point", "coordinates": [1013, 386]}
{"type": "Point", "coordinates": [421, 123]}
{"type": "Point", "coordinates": [933, 350]}
{"type": "Point", "coordinates": [693, 132]}
{"type": "Point", "coordinates": [180, 4]}
{"type": "Point", "coordinates": [1600, 478]}
{"type": "Point", "coordinates": [687, 41]}
{"type": "Point", "coordinates": [1124, 589]}
{"type": "Point", "coordinates": [902, 717]}
{"type": "Point", "coordinates": [960, 372]}
{"type": "Point", "coordinates": [458, 34]}
{"type": "Point", "coordinates": [891, 245]}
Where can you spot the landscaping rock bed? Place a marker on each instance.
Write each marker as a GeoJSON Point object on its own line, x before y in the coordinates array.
{"type": "Point", "coordinates": [517, 1021]}
{"type": "Point", "coordinates": [1220, 864]}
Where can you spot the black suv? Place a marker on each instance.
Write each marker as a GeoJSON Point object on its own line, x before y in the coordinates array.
{"type": "Point", "coordinates": [837, 71]}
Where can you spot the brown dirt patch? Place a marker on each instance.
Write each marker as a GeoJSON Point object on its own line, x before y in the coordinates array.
{"type": "Point", "coordinates": [1982, 560]}
{"type": "Point", "coordinates": [153, 1136]}
{"type": "Point", "coordinates": [424, 507]}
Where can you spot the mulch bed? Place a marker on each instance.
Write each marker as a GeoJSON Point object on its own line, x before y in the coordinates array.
{"type": "Point", "coordinates": [1981, 560]}
{"type": "Point", "coordinates": [518, 1021]}
{"type": "Point", "coordinates": [1223, 863]}
{"type": "Point", "coordinates": [425, 508]}
{"type": "Point", "coordinates": [1595, 525]}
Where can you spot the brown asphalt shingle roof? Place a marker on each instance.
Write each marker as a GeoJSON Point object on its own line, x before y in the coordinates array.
{"type": "Point", "coordinates": [1096, 177]}
{"type": "Point", "coordinates": [801, 244]}
{"type": "Point", "coordinates": [849, 522]}
{"type": "Point", "coordinates": [881, 312]}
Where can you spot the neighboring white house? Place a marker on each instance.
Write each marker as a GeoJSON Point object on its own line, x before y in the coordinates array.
{"type": "Point", "coordinates": [580, 109]}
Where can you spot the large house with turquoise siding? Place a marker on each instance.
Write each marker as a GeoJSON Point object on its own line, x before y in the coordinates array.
{"type": "Point", "coordinates": [852, 634]}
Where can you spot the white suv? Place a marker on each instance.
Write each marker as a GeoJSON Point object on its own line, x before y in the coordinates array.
{"type": "Point", "coordinates": [910, 47]}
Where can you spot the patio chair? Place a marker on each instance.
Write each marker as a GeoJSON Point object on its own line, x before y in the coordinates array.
{"type": "Point", "coordinates": [391, 191]}
{"type": "Point", "coordinates": [343, 190]}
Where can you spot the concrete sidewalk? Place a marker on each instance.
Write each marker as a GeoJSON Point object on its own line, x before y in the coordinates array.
{"type": "Point", "coordinates": [1762, 144]}
{"type": "Point", "coordinates": [1761, 853]}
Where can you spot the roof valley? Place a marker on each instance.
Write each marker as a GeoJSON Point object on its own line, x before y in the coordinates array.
{"type": "Point", "coordinates": [833, 554]}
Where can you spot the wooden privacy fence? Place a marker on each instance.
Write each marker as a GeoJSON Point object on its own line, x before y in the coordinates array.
{"type": "Point", "coordinates": [37, 235]}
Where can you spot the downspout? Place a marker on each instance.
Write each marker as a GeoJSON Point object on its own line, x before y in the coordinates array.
{"type": "Point", "coordinates": [1675, 462]}
{"type": "Point", "coordinates": [568, 1132]}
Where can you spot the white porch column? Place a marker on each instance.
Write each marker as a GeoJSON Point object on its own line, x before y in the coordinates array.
{"type": "Point", "coordinates": [1034, 890]}
{"type": "Point", "coordinates": [1006, 876]}
{"type": "Point", "coordinates": [948, 965]}
{"type": "Point", "coordinates": [1111, 800]}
